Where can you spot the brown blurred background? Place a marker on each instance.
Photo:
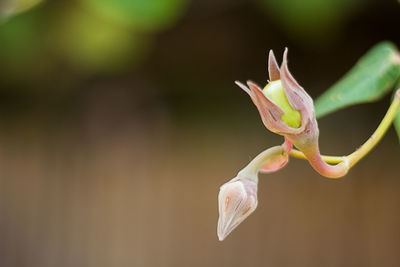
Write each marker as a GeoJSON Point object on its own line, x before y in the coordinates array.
{"type": "Point", "coordinates": [119, 120]}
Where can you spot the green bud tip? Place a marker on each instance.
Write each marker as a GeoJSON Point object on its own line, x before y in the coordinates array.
{"type": "Point", "coordinates": [274, 91]}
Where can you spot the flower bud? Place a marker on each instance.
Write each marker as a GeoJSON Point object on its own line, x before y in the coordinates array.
{"type": "Point", "coordinates": [284, 106]}
{"type": "Point", "coordinates": [279, 105]}
{"type": "Point", "coordinates": [237, 199]}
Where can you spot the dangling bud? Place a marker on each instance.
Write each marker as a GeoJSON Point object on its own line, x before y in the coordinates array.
{"type": "Point", "coordinates": [237, 199]}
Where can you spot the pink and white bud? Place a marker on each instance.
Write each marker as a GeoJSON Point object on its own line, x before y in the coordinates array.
{"type": "Point", "coordinates": [237, 199]}
{"type": "Point", "coordinates": [305, 136]}
{"type": "Point", "coordinates": [271, 112]}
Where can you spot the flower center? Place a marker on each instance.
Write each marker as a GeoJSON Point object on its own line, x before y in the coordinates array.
{"type": "Point", "coordinates": [274, 91]}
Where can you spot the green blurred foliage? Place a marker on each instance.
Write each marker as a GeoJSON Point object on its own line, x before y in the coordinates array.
{"type": "Point", "coordinates": [143, 15]}
{"type": "Point", "coordinates": [22, 47]}
{"type": "Point", "coordinates": [396, 121]}
{"type": "Point", "coordinates": [81, 36]}
{"type": "Point", "coordinates": [311, 20]}
{"type": "Point", "coordinates": [11, 7]}
{"type": "Point", "coordinates": [93, 43]}
{"type": "Point", "coordinates": [19, 38]}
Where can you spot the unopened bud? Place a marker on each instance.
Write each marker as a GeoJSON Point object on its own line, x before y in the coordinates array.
{"type": "Point", "coordinates": [284, 106]}
{"type": "Point", "coordinates": [286, 109]}
{"type": "Point", "coordinates": [237, 199]}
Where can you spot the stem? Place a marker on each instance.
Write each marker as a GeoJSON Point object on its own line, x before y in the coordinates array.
{"type": "Point", "coordinates": [362, 151]}
{"type": "Point", "coordinates": [357, 155]}
{"type": "Point", "coordinates": [328, 159]}
{"type": "Point", "coordinates": [255, 165]}
{"type": "Point", "coordinates": [330, 171]}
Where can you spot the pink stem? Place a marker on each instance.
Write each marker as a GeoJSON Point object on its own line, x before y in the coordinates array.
{"type": "Point", "coordinates": [331, 171]}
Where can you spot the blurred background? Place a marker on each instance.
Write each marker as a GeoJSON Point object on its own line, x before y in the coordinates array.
{"type": "Point", "coordinates": [119, 120]}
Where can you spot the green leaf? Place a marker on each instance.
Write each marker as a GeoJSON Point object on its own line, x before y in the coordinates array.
{"type": "Point", "coordinates": [396, 121]}
{"type": "Point", "coordinates": [370, 79]}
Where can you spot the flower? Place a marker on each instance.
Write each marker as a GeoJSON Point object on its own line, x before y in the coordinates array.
{"type": "Point", "coordinates": [237, 199]}
{"type": "Point", "coordinates": [281, 101]}
{"type": "Point", "coordinates": [286, 109]}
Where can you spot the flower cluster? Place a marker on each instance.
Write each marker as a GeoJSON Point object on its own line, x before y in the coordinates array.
{"type": "Point", "coordinates": [285, 109]}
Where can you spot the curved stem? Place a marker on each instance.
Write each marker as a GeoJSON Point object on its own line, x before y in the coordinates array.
{"type": "Point", "coordinates": [362, 151]}
{"type": "Point", "coordinates": [330, 171]}
{"type": "Point", "coordinates": [357, 155]}
{"type": "Point", "coordinates": [255, 165]}
{"type": "Point", "coordinates": [328, 159]}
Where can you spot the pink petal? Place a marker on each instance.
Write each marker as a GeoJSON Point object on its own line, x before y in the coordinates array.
{"type": "Point", "coordinates": [246, 89]}
{"type": "Point", "coordinates": [273, 68]}
{"type": "Point", "coordinates": [269, 112]}
{"type": "Point", "coordinates": [297, 96]}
